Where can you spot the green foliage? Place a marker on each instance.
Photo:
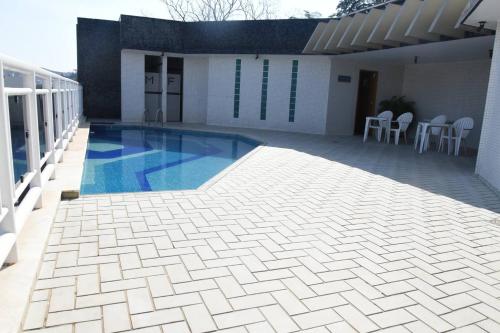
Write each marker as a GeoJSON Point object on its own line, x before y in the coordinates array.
{"type": "Point", "coordinates": [348, 6]}
{"type": "Point", "coordinates": [398, 105]}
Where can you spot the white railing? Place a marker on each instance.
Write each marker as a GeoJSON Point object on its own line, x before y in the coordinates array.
{"type": "Point", "coordinates": [45, 95]}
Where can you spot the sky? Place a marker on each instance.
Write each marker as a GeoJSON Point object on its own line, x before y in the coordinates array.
{"type": "Point", "coordinates": [43, 32]}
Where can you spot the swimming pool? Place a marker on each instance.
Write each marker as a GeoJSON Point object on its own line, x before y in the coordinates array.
{"type": "Point", "coordinates": [135, 159]}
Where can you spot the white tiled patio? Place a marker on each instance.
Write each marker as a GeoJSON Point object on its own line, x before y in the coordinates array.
{"type": "Point", "coordinates": [306, 234]}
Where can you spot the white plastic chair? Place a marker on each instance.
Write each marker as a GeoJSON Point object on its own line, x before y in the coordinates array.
{"type": "Point", "coordinates": [404, 122]}
{"type": "Point", "coordinates": [459, 132]}
{"type": "Point", "coordinates": [435, 132]}
{"type": "Point", "coordinates": [380, 125]}
{"type": "Point", "coordinates": [149, 116]}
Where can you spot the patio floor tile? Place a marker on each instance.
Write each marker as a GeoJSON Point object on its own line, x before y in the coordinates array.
{"type": "Point", "coordinates": [305, 234]}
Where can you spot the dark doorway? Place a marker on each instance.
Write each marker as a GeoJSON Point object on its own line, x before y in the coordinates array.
{"type": "Point", "coordinates": [367, 96]}
{"type": "Point", "coordinates": [152, 86]}
{"type": "Point", "coordinates": [175, 69]}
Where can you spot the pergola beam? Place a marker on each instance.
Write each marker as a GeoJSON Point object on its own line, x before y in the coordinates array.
{"type": "Point", "coordinates": [402, 21]}
{"type": "Point", "coordinates": [337, 34]}
{"type": "Point", "coordinates": [345, 41]}
{"type": "Point", "coordinates": [419, 27]}
{"type": "Point", "coordinates": [383, 25]}
{"type": "Point", "coordinates": [392, 24]}
{"type": "Point", "coordinates": [325, 36]}
{"type": "Point", "coordinates": [447, 17]}
{"type": "Point", "coordinates": [315, 37]}
{"type": "Point", "coordinates": [361, 38]}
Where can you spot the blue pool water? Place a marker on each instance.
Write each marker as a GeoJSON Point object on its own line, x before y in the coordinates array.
{"type": "Point", "coordinates": [133, 159]}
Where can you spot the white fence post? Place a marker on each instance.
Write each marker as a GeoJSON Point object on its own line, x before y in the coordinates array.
{"type": "Point", "coordinates": [49, 124]}
{"type": "Point", "coordinates": [80, 102]}
{"type": "Point", "coordinates": [66, 110]}
{"type": "Point", "coordinates": [164, 89]}
{"type": "Point", "coordinates": [33, 141]}
{"type": "Point", "coordinates": [7, 223]}
{"type": "Point", "coordinates": [59, 125]}
{"type": "Point", "coordinates": [70, 107]}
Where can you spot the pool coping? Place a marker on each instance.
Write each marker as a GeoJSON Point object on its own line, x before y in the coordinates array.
{"type": "Point", "coordinates": [209, 183]}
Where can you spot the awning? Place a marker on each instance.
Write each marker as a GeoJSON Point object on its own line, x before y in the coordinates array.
{"type": "Point", "coordinates": [392, 24]}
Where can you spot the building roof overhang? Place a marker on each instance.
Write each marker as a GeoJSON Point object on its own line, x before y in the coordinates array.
{"type": "Point", "coordinates": [392, 24]}
{"type": "Point", "coordinates": [481, 13]}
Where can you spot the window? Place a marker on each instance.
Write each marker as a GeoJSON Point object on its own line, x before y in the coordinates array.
{"type": "Point", "coordinates": [263, 97]}
{"type": "Point", "coordinates": [293, 91]}
{"type": "Point", "coordinates": [236, 110]}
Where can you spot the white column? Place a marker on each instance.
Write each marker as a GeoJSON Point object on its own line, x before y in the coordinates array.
{"type": "Point", "coordinates": [164, 87]}
{"type": "Point", "coordinates": [8, 225]}
{"type": "Point", "coordinates": [133, 86]}
{"type": "Point", "coordinates": [488, 159]}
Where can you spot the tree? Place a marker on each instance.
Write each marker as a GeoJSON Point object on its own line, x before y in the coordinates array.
{"type": "Point", "coordinates": [219, 10]}
{"type": "Point", "coordinates": [256, 10]}
{"type": "Point", "coordinates": [348, 6]}
{"type": "Point", "coordinates": [311, 15]}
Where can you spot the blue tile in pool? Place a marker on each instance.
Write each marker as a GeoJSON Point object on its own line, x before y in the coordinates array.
{"type": "Point", "coordinates": [134, 159]}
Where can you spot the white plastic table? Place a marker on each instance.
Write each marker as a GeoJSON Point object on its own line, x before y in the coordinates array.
{"type": "Point", "coordinates": [423, 127]}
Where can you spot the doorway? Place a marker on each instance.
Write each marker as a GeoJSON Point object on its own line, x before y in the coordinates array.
{"type": "Point", "coordinates": [152, 87]}
{"type": "Point", "coordinates": [175, 69]}
{"type": "Point", "coordinates": [367, 97]}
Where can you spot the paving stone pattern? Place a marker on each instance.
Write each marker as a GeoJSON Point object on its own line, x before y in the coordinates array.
{"type": "Point", "coordinates": [307, 234]}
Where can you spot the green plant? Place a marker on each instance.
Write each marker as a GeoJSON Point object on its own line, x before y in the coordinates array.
{"type": "Point", "coordinates": [398, 105]}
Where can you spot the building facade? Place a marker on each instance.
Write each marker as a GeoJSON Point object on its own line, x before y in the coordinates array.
{"type": "Point", "coordinates": [301, 75]}
{"type": "Point", "coordinates": [238, 73]}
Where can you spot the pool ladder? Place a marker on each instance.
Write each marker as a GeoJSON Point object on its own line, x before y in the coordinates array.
{"type": "Point", "coordinates": [158, 117]}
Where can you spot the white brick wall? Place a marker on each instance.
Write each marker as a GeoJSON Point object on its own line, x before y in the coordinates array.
{"type": "Point", "coordinates": [209, 91]}
{"type": "Point", "coordinates": [312, 92]}
{"type": "Point", "coordinates": [488, 161]}
{"type": "Point", "coordinates": [132, 71]}
{"type": "Point", "coordinates": [343, 96]}
{"type": "Point", "coordinates": [456, 89]}
{"type": "Point", "coordinates": [195, 89]}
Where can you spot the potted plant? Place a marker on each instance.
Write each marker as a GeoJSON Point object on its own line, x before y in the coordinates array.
{"type": "Point", "coordinates": [398, 105]}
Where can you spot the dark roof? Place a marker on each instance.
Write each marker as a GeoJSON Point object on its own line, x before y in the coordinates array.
{"type": "Point", "coordinates": [238, 37]}
{"type": "Point", "coordinates": [99, 66]}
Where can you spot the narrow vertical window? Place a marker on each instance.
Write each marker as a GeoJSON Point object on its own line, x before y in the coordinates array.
{"type": "Point", "coordinates": [263, 96]}
{"type": "Point", "coordinates": [293, 91]}
{"type": "Point", "coordinates": [237, 80]}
